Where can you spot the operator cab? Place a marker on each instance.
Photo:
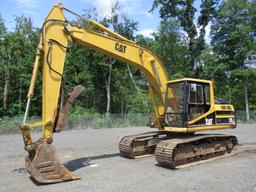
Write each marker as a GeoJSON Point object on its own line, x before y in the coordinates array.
{"type": "Point", "coordinates": [186, 100]}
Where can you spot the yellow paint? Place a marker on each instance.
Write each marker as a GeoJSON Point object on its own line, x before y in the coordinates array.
{"type": "Point", "coordinates": [224, 116]}
{"type": "Point", "coordinates": [224, 107]}
{"type": "Point", "coordinates": [190, 79]}
{"type": "Point", "coordinates": [197, 128]}
{"type": "Point", "coordinates": [37, 124]}
{"type": "Point", "coordinates": [35, 70]}
{"type": "Point", "coordinates": [51, 80]}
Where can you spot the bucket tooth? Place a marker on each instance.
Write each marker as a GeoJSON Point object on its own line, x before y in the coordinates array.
{"type": "Point", "coordinates": [45, 167]}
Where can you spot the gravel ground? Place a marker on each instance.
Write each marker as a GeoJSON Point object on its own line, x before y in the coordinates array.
{"type": "Point", "coordinates": [93, 154]}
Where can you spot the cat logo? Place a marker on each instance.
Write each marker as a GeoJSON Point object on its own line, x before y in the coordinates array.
{"type": "Point", "coordinates": [209, 121]}
{"type": "Point", "coordinates": [119, 47]}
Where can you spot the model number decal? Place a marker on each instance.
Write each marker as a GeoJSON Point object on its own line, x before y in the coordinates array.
{"type": "Point", "coordinates": [121, 48]}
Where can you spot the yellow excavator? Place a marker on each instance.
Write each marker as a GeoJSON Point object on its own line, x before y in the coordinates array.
{"type": "Point", "coordinates": [182, 107]}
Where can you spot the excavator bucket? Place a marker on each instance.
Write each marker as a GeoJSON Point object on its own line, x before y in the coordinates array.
{"type": "Point", "coordinates": [44, 166]}
{"type": "Point", "coordinates": [42, 162]}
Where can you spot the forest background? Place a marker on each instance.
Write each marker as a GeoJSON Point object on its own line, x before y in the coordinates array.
{"type": "Point", "coordinates": [114, 90]}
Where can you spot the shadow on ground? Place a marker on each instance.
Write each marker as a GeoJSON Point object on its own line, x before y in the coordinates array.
{"type": "Point", "coordinates": [76, 164]}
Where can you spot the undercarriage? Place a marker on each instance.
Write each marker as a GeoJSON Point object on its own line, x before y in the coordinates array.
{"type": "Point", "coordinates": [172, 150]}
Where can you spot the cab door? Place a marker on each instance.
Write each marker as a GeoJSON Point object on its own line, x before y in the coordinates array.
{"type": "Point", "coordinates": [198, 102]}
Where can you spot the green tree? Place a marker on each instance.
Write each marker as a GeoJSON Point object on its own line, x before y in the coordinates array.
{"type": "Point", "coordinates": [171, 46]}
{"type": "Point", "coordinates": [106, 77]}
{"type": "Point", "coordinates": [2, 28]}
{"type": "Point", "coordinates": [233, 40]}
{"type": "Point", "coordinates": [18, 55]}
{"type": "Point", "coordinates": [2, 64]}
{"type": "Point", "coordinates": [184, 11]}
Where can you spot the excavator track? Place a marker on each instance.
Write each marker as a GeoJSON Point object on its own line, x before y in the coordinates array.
{"type": "Point", "coordinates": [133, 146]}
{"type": "Point", "coordinates": [179, 151]}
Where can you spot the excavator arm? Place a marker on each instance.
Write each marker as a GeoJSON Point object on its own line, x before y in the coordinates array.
{"type": "Point", "coordinates": [56, 34]}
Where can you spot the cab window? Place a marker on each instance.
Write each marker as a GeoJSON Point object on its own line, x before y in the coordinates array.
{"type": "Point", "coordinates": [207, 94]}
{"type": "Point", "coordinates": [174, 98]}
{"type": "Point", "coordinates": [195, 94]}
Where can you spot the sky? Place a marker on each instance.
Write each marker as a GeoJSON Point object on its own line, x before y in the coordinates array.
{"type": "Point", "coordinates": [138, 10]}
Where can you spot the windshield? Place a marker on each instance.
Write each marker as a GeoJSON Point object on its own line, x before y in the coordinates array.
{"type": "Point", "coordinates": [174, 98]}
{"type": "Point", "coordinates": [174, 115]}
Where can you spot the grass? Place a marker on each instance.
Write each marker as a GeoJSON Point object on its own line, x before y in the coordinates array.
{"type": "Point", "coordinates": [10, 125]}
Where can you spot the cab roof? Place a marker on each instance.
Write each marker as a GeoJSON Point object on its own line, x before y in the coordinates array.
{"type": "Point", "coordinates": [190, 79]}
